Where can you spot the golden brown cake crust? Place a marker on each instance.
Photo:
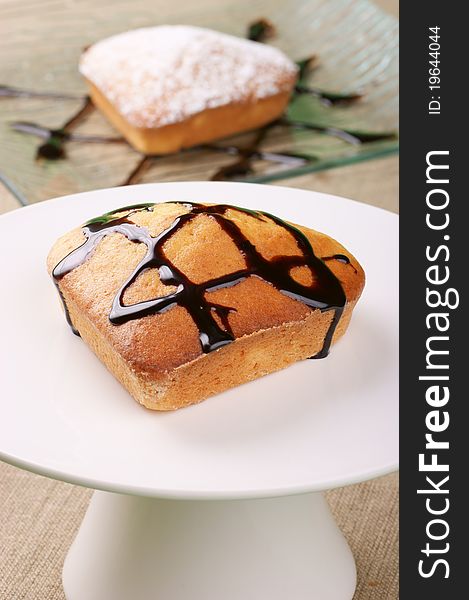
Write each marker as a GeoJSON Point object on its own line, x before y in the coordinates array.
{"type": "Point", "coordinates": [159, 357]}
{"type": "Point", "coordinates": [206, 126]}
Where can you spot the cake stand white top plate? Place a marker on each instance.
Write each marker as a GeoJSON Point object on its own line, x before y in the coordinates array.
{"type": "Point", "coordinates": [313, 426]}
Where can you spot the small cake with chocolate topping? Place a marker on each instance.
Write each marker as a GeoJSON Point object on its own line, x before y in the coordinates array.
{"type": "Point", "coordinates": [182, 300]}
{"type": "Point", "coordinates": [171, 87]}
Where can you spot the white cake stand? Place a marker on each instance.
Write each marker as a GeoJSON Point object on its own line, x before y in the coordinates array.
{"type": "Point", "coordinates": [221, 501]}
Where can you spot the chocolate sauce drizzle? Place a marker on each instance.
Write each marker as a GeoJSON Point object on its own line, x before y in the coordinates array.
{"type": "Point", "coordinates": [244, 163]}
{"type": "Point", "coordinates": [53, 147]}
{"type": "Point", "coordinates": [324, 293]}
{"type": "Point", "coordinates": [8, 91]}
{"type": "Point", "coordinates": [328, 98]}
{"type": "Point", "coordinates": [340, 258]}
{"type": "Point", "coordinates": [261, 30]}
{"type": "Point", "coordinates": [306, 66]}
{"type": "Point", "coordinates": [140, 168]}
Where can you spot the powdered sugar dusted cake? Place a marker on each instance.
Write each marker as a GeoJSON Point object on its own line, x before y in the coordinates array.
{"type": "Point", "coordinates": [161, 76]}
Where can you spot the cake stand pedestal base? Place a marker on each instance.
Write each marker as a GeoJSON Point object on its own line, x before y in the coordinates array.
{"type": "Point", "coordinates": [154, 549]}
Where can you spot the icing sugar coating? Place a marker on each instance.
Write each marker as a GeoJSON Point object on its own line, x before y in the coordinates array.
{"type": "Point", "coordinates": [158, 76]}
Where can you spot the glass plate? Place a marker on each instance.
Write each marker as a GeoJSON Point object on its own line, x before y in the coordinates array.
{"type": "Point", "coordinates": [355, 42]}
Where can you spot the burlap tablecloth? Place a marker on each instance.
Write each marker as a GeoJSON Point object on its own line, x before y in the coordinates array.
{"type": "Point", "coordinates": [39, 518]}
